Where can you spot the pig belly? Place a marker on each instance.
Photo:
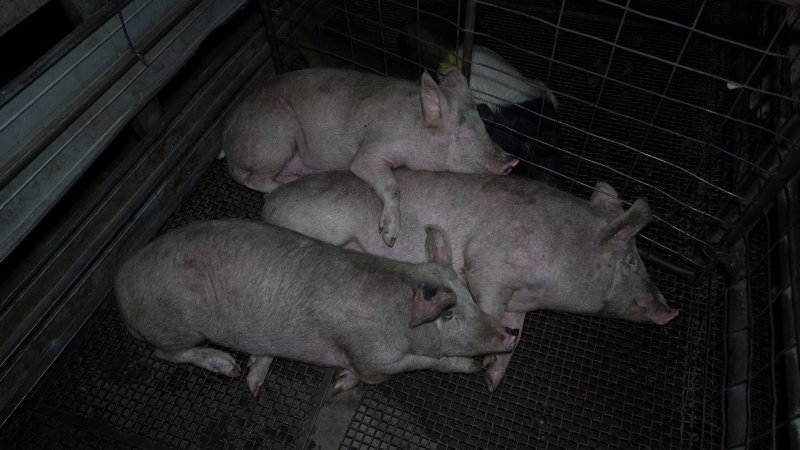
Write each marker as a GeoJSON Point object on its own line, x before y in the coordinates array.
{"type": "Point", "coordinates": [294, 169]}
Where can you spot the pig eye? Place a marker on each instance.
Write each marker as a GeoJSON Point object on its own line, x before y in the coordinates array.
{"type": "Point", "coordinates": [447, 315]}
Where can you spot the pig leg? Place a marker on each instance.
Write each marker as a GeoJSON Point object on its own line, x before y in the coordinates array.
{"type": "Point", "coordinates": [408, 363]}
{"type": "Point", "coordinates": [456, 364]}
{"type": "Point", "coordinates": [345, 379]}
{"type": "Point", "coordinates": [259, 366]}
{"type": "Point", "coordinates": [259, 156]}
{"type": "Point", "coordinates": [493, 301]}
{"type": "Point", "coordinates": [495, 373]}
{"type": "Point", "coordinates": [211, 359]}
{"type": "Point", "coordinates": [379, 177]}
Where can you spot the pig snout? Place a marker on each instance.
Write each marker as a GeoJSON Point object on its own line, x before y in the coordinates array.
{"type": "Point", "coordinates": [660, 313]}
{"type": "Point", "coordinates": [650, 309]}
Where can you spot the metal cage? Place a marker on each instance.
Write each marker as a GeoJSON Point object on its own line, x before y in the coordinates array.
{"type": "Point", "coordinates": [691, 104]}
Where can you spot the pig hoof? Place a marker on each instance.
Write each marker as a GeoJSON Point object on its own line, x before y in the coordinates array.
{"type": "Point", "coordinates": [345, 380]}
{"type": "Point", "coordinates": [389, 240]}
{"type": "Point", "coordinates": [489, 360]}
{"type": "Point", "coordinates": [225, 365]}
{"type": "Point", "coordinates": [493, 380]}
{"type": "Point", "coordinates": [390, 228]}
{"type": "Point", "coordinates": [255, 385]}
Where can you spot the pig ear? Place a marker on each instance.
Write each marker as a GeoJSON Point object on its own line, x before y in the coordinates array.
{"type": "Point", "coordinates": [627, 225]}
{"type": "Point", "coordinates": [437, 247]}
{"type": "Point", "coordinates": [454, 79]}
{"type": "Point", "coordinates": [606, 197]}
{"type": "Point", "coordinates": [431, 100]}
{"type": "Point", "coordinates": [428, 302]}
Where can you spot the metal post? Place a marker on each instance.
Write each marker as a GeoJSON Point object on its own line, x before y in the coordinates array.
{"type": "Point", "coordinates": [469, 28]}
{"type": "Point", "coordinates": [781, 170]}
{"type": "Point", "coordinates": [272, 38]}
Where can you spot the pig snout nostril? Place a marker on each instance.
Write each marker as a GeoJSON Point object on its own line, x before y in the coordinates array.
{"type": "Point", "coordinates": [512, 331]}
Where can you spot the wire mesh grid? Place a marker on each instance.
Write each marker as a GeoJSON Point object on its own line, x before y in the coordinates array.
{"type": "Point", "coordinates": [574, 382]}
{"type": "Point", "coordinates": [108, 388]}
{"type": "Point", "coordinates": [660, 101]}
{"type": "Point", "coordinates": [646, 103]}
{"type": "Point", "coordinates": [677, 134]}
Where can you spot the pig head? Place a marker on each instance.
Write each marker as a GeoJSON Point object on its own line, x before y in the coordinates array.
{"type": "Point", "coordinates": [629, 294]}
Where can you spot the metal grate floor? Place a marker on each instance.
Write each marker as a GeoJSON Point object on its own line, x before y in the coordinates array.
{"type": "Point", "coordinates": [573, 382]}
{"type": "Point", "coordinates": [108, 391]}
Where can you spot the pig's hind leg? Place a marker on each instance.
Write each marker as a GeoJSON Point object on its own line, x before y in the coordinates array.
{"type": "Point", "coordinates": [264, 149]}
{"type": "Point", "coordinates": [211, 359]}
{"type": "Point", "coordinates": [259, 366]}
{"type": "Point", "coordinates": [495, 372]}
{"type": "Point", "coordinates": [345, 380]}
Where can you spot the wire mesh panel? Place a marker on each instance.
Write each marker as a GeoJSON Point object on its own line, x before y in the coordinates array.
{"type": "Point", "coordinates": [683, 103]}
{"type": "Point", "coordinates": [109, 391]}
{"type": "Point", "coordinates": [679, 102]}
{"type": "Point", "coordinates": [574, 382]}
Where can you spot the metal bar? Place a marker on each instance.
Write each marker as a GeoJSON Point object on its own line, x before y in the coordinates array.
{"type": "Point", "coordinates": [34, 117]}
{"type": "Point", "coordinates": [675, 268]}
{"type": "Point", "coordinates": [761, 195]}
{"type": "Point", "coordinates": [787, 169]}
{"type": "Point", "coordinates": [737, 363]}
{"type": "Point", "coordinates": [316, 405]}
{"type": "Point", "coordinates": [28, 264]}
{"type": "Point", "coordinates": [469, 29]}
{"type": "Point", "coordinates": [272, 39]}
{"type": "Point", "coordinates": [789, 259]}
{"type": "Point", "coordinates": [30, 195]}
{"type": "Point", "coordinates": [56, 53]}
{"type": "Point", "coordinates": [198, 144]}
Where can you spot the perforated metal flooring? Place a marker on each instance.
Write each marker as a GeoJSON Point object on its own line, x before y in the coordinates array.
{"type": "Point", "coordinates": [108, 391]}
{"type": "Point", "coordinates": [573, 381]}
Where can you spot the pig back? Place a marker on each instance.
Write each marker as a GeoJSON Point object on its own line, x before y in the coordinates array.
{"type": "Point", "coordinates": [340, 109]}
{"type": "Point", "coordinates": [338, 208]}
{"type": "Point", "coordinates": [257, 288]}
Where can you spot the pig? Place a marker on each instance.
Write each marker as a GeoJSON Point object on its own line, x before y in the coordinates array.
{"type": "Point", "coordinates": [316, 120]}
{"type": "Point", "coordinates": [519, 244]}
{"type": "Point", "coordinates": [269, 292]}
{"type": "Point", "coordinates": [520, 114]}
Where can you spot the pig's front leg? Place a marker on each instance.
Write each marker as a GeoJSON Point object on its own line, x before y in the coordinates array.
{"type": "Point", "coordinates": [377, 173]}
{"type": "Point", "coordinates": [347, 379]}
{"type": "Point", "coordinates": [408, 363]}
{"type": "Point", "coordinates": [493, 300]}
{"type": "Point", "coordinates": [495, 372]}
